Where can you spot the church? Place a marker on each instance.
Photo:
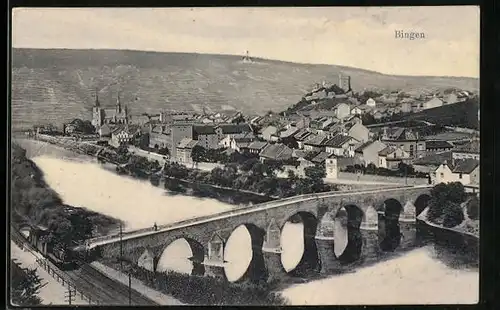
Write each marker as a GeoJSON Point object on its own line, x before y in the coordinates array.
{"type": "Point", "coordinates": [116, 115]}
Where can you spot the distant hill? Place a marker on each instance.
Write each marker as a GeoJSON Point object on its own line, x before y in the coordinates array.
{"type": "Point", "coordinates": [57, 85]}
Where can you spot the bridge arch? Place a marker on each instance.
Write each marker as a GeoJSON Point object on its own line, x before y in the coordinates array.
{"type": "Point", "coordinates": [184, 254]}
{"type": "Point", "coordinates": [245, 262]}
{"type": "Point", "coordinates": [390, 237]}
{"type": "Point", "coordinates": [348, 239]}
{"type": "Point", "coordinates": [421, 203]}
{"type": "Point", "coordinates": [309, 259]}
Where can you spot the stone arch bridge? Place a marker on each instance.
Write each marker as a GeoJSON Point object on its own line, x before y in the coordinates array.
{"type": "Point", "coordinates": [376, 220]}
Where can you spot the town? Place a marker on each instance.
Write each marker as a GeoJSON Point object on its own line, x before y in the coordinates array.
{"type": "Point", "coordinates": [346, 134]}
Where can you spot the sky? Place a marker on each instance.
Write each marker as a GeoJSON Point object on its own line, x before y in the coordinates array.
{"type": "Point", "coordinates": [362, 37]}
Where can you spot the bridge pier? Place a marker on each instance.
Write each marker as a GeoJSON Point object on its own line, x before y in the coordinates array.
{"type": "Point", "coordinates": [370, 234]}
{"type": "Point", "coordinates": [215, 269]}
{"type": "Point", "coordinates": [328, 262]}
{"type": "Point", "coordinates": [408, 226]}
{"type": "Point", "coordinates": [408, 234]}
{"type": "Point", "coordinates": [274, 267]}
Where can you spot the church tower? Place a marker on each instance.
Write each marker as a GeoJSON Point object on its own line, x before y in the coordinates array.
{"type": "Point", "coordinates": [97, 112]}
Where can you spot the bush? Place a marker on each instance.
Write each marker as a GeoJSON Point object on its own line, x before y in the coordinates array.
{"type": "Point", "coordinates": [473, 208]}
{"type": "Point", "coordinates": [202, 290]}
{"type": "Point", "coordinates": [24, 286]}
{"type": "Point", "coordinates": [453, 215]}
{"type": "Point", "coordinates": [444, 205]}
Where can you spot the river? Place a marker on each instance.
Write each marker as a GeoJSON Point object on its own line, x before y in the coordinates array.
{"type": "Point", "coordinates": [414, 278]}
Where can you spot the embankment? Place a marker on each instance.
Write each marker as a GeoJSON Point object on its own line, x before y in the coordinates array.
{"type": "Point", "coordinates": [463, 245]}
{"type": "Point", "coordinates": [224, 194]}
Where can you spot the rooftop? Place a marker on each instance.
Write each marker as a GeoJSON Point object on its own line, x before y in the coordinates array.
{"type": "Point", "coordinates": [187, 143]}
{"type": "Point", "coordinates": [463, 165]}
{"type": "Point", "coordinates": [438, 145]}
{"type": "Point", "coordinates": [318, 140]}
{"type": "Point", "coordinates": [276, 151]}
{"type": "Point", "coordinates": [470, 147]}
{"type": "Point", "coordinates": [434, 159]}
{"type": "Point", "coordinates": [338, 141]}
{"type": "Point", "coordinates": [257, 145]}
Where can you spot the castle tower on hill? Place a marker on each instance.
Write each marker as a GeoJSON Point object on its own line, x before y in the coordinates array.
{"type": "Point", "coordinates": [116, 115]}
{"type": "Point", "coordinates": [247, 58]}
{"type": "Point", "coordinates": [345, 82]}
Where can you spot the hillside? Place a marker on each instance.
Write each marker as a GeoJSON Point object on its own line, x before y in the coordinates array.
{"type": "Point", "coordinates": [57, 85]}
{"type": "Point", "coordinates": [461, 114]}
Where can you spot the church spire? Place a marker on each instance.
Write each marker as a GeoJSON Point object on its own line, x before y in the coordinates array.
{"type": "Point", "coordinates": [97, 104]}
{"type": "Point", "coordinates": [118, 103]}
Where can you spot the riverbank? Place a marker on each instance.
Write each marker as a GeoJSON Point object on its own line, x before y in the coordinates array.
{"type": "Point", "coordinates": [463, 245]}
{"type": "Point", "coordinates": [34, 201]}
{"type": "Point", "coordinates": [201, 290]}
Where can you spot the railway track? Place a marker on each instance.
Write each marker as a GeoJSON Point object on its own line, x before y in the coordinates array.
{"type": "Point", "coordinates": [105, 290]}
{"type": "Point", "coordinates": [92, 283]}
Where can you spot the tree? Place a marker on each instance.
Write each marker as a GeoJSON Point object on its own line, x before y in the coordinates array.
{"type": "Point", "coordinates": [198, 154]}
{"type": "Point", "coordinates": [25, 285]}
{"type": "Point", "coordinates": [453, 215]}
{"type": "Point", "coordinates": [443, 202]}
{"type": "Point", "coordinates": [315, 173]}
{"type": "Point", "coordinates": [473, 208]}
{"type": "Point", "coordinates": [248, 164]}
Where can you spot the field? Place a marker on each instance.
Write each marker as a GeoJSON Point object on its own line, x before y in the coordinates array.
{"type": "Point", "coordinates": [58, 85]}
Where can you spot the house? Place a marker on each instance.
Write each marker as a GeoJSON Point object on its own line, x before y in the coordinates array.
{"type": "Point", "coordinates": [255, 120]}
{"type": "Point", "coordinates": [288, 133]}
{"type": "Point", "coordinates": [342, 110]}
{"type": "Point", "coordinates": [406, 107]}
{"type": "Point", "coordinates": [255, 147]}
{"type": "Point", "coordinates": [391, 157]}
{"type": "Point", "coordinates": [430, 162]}
{"type": "Point", "coordinates": [237, 141]}
{"type": "Point", "coordinates": [119, 136]}
{"type": "Point", "coordinates": [301, 136]}
{"type": "Point", "coordinates": [341, 145]}
{"type": "Point", "coordinates": [468, 150]}
{"type": "Point", "coordinates": [299, 153]}
{"type": "Point", "coordinates": [69, 128]}
{"type": "Point", "coordinates": [104, 130]}
{"type": "Point", "coordinates": [321, 157]}
{"type": "Point", "coordinates": [438, 146]}
{"type": "Point", "coordinates": [275, 152]}
{"type": "Point", "coordinates": [207, 136]}
{"type": "Point", "coordinates": [316, 143]}
{"type": "Point", "coordinates": [232, 129]}
{"type": "Point", "coordinates": [141, 119]}
{"type": "Point", "coordinates": [433, 103]}
{"type": "Point", "coordinates": [357, 111]}
{"type": "Point", "coordinates": [321, 122]}
{"type": "Point", "coordinates": [405, 138]}
{"type": "Point", "coordinates": [368, 152]}
{"type": "Point", "coordinates": [178, 132]}
{"type": "Point", "coordinates": [267, 132]}
{"type": "Point", "coordinates": [184, 150]}
{"type": "Point", "coordinates": [160, 141]}
{"type": "Point", "coordinates": [378, 115]}
{"type": "Point", "coordinates": [371, 103]}
{"type": "Point", "coordinates": [359, 132]}
{"type": "Point", "coordinates": [465, 171]}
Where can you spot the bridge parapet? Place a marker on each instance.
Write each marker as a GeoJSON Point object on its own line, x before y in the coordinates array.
{"type": "Point", "coordinates": [139, 232]}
